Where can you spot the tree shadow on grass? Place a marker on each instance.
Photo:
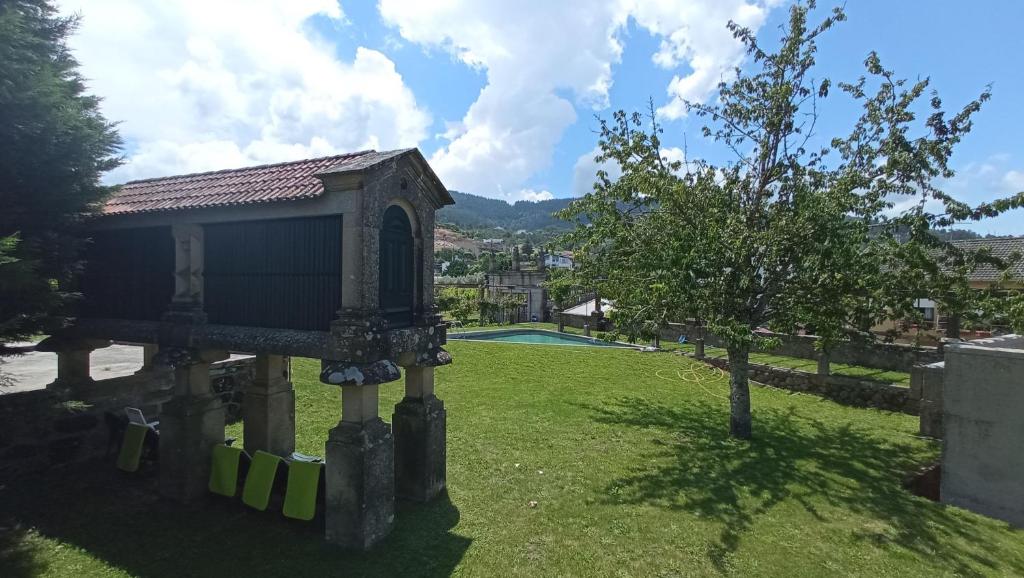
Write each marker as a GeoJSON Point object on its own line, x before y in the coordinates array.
{"type": "Point", "coordinates": [17, 559]}
{"type": "Point", "coordinates": [122, 522]}
{"type": "Point", "coordinates": [699, 469]}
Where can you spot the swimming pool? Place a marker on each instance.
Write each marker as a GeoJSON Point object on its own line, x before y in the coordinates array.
{"type": "Point", "coordinates": [534, 336]}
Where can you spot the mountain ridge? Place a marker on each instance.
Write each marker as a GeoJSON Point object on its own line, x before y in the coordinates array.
{"type": "Point", "coordinates": [476, 212]}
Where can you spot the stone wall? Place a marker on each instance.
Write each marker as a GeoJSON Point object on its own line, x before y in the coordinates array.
{"type": "Point", "coordinates": [888, 356]}
{"type": "Point", "coordinates": [46, 428]}
{"type": "Point", "coordinates": [839, 388]}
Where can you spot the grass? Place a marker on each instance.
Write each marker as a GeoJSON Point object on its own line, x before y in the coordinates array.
{"type": "Point", "coordinates": [810, 365]}
{"type": "Point", "coordinates": [626, 455]}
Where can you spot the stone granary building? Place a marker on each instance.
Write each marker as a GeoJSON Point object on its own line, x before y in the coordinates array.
{"type": "Point", "coordinates": [328, 258]}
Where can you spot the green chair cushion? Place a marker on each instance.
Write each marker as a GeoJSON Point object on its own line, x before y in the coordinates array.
{"type": "Point", "coordinates": [260, 480]}
{"type": "Point", "coordinates": [224, 470]}
{"type": "Point", "coordinates": [300, 497]}
{"type": "Point", "coordinates": [131, 447]}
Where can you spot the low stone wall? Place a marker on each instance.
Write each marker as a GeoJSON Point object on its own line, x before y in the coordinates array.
{"type": "Point", "coordinates": [839, 388]}
{"type": "Point", "coordinates": [48, 428]}
{"type": "Point", "coordinates": [888, 356]}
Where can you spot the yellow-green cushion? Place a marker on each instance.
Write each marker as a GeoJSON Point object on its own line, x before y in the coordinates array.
{"type": "Point", "coordinates": [131, 447]}
{"type": "Point", "coordinates": [300, 497]}
{"type": "Point", "coordinates": [224, 470]}
{"type": "Point", "coordinates": [260, 480]}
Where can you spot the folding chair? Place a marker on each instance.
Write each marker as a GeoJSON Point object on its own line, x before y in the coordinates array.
{"type": "Point", "coordinates": [224, 470]}
{"type": "Point", "coordinates": [300, 497]}
{"type": "Point", "coordinates": [260, 480]}
{"type": "Point", "coordinates": [136, 416]}
{"type": "Point", "coordinates": [131, 447]}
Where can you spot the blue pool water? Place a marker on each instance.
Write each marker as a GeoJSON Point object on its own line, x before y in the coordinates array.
{"type": "Point", "coordinates": [533, 336]}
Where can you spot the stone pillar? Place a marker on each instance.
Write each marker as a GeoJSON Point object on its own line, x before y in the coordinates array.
{"type": "Point", "coordinates": [360, 458]}
{"type": "Point", "coordinates": [191, 424]}
{"type": "Point", "coordinates": [72, 359]}
{"type": "Point", "coordinates": [824, 367]}
{"type": "Point", "coordinates": [586, 329]}
{"type": "Point", "coordinates": [268, 408]}
{"type": "Point", "coordinates": [188, 265]}
{"type": "Point", "coordinates": [419, 424]}
{"type": "Point", "coordinates": [698, 348]}
{"type": "Point", "coordinates": [149, 352]}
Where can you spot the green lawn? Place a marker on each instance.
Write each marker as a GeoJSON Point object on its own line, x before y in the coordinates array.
{"type": "Point", "coordinates": [626, 455]}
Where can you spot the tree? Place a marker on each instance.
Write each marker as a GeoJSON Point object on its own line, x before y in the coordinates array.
{"type": "Point", "coordinates": [54, 145]}
{"type": "Point", "coordinates": [779, 238]}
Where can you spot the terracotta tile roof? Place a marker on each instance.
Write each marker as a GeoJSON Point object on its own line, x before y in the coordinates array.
{"type": "Point", "coordinates": [1006, 248]}
{"type": "Point", "coordinates": [260, 184]}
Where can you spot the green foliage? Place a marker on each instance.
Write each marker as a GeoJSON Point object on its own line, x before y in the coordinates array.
{"type": "Point", "coordinates": [491, 262]}
{"type": "Point", "coordinates": [54, 145]}
{"type": "Point", "coordinates": [501, 307]}
{"type": "Point", "coordinates": [787, 235]}
{"type": "Point", "coordinates": [560, 285]}
{"type": "Point", "coordinates": [461, 304]}
{"type": "Point", "coordinates": [460, 262]}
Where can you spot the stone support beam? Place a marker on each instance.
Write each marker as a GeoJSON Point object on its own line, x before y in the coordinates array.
{"type": "Point", "coordinates": [360, 456]}
{"type": "Point", "coordinates": [72, 359]}
{"type": "Point", "coordinates": [191, 424]}
{"type": "Point", "coordinates": [268, 408]}
{"type": "Point", "coordinates": [419, 424]}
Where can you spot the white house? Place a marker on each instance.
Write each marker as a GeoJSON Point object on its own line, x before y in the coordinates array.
{"type": "Point", "coordinates": [560, 260]}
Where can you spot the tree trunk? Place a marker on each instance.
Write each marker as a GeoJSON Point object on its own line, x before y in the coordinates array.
{"type": "Point", "coordinates": [953, 327]}
{"type": "Point", "coordinates": [739, 392]}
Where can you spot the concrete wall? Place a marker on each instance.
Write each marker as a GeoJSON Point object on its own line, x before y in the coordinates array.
{"type": "Point", "coordinates": [525, 282]}
{"type": "Point", "coordinates": [983, 427]}
{"type": "Point", "coordinates": [926, 392]}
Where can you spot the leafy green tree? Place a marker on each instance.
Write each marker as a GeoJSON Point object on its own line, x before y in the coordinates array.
{"type": "Point", "coordinates": [787, 235]}
{"type": "Point", "coordinates": [54, 145]}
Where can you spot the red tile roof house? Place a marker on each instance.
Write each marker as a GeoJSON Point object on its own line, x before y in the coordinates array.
{"type": "Point", "coordinates": [327, 258]}
{"type": "Point", "coordinates": [1008, 249]}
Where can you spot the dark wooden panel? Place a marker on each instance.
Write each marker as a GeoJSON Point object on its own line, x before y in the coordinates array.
{"type": "Point", "coordinates": [396, 273]}
{"type": "Point", "coordinates": [283, 273]}
{"type": "Point", "coordinates": [129, 274]}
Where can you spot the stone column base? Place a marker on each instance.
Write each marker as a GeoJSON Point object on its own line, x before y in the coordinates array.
{"type": "Point", "coordinates": [269, 421]}
{"type": "Point", "coordinates": [420, 452]}
{"type": "Point", "coordinates": [360, 480]}
{"type": "Point", "coordinates": [189, 429]}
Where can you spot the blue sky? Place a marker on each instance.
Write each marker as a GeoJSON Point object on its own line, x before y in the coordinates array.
{"type": "Point", "coordinates": [501, 97]}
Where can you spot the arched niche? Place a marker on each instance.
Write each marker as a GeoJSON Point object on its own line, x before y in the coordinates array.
{"type": "Point", "coordinates": [397, 279]}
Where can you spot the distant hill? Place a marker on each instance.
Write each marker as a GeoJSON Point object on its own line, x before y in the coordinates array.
{"type": "Point", "coordinates": [475, 212]}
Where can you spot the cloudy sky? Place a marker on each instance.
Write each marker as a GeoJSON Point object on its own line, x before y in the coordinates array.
{"type": "Point", "coordinates": [502, 97]}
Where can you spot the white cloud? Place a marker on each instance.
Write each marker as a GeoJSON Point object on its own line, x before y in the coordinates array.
{"type": "Point", "coordinates": [694, 35]}
{"type": "Point", "coordinates": [979, 182]}
{"type": "Point", "coordinates": [534, 196]}
{"type": "Point", "coordinates": [673, 154]}
{"type": "Point", "coordinates": [204, 85]}
{"type": "Point", "coordinates": [584, 173]}
{"type": "Point", "coordinates": [544, 58]}
{"type": "Point", "coordinates": [1014, 180]}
